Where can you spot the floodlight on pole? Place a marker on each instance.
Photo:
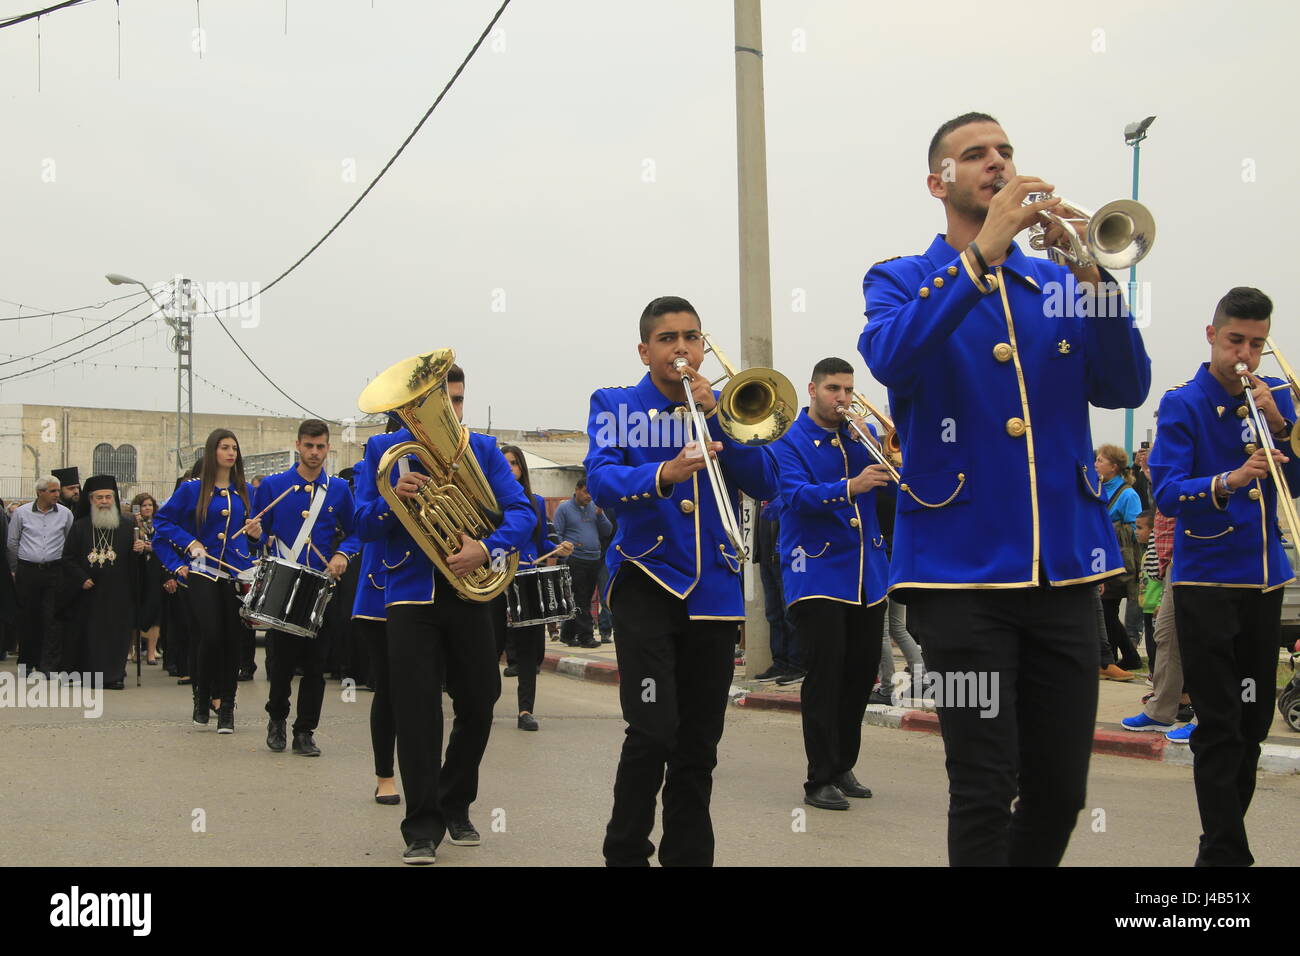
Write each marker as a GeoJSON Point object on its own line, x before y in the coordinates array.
{"type": "Point", "coordinates": [1134, 134]}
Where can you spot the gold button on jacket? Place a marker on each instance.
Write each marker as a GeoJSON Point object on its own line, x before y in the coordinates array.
{"type": "Point", "coordinates": [854, 522]}
{"type": "Point", "coordinates": [687, 506]}
{"type": "Point", "coordinates": [1002, 351]}
{"type": "Point", "coordinates": [1015, 427]}
{"type": "Point", "coordinates": [1254, 494]}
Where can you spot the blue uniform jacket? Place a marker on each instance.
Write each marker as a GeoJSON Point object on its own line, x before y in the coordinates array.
{"type": "Point", "coordinates": [1200, 435]}
{"type": "Point", "coordinates": [831, 544]}
{"type": "Point", "coordinates": [675, 538]}
{"type": "Point", "coordinates": [538, 543]}
{"type": "Point", "coordinates": [990, 395]}
{"type": "Point", "coordinates": [226, 515]}
{"type": "Point", "coordinates": [410, 578]}
{"type": "Point", "coordinates": [284, 521]}
{"type": "Point", "coordinates": [369, 600]}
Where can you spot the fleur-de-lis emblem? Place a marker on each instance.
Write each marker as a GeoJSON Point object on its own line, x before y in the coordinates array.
{"type": "Point", "coordinates": [1063, 347]}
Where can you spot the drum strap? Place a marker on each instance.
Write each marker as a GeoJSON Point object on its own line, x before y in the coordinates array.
{"type": "Point", "coordinates": [317, 502]}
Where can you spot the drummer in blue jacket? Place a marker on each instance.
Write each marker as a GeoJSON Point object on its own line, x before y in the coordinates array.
{"type": "Point", "coordinates": [301, 527]}
{"type": "Point", "coordinates": [208, 518]}
{"type": "Point", "coordinates": [833, 571]}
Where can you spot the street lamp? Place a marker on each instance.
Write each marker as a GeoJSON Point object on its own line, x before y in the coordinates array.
{"type": "Point", "coordinates": [184, 365]}
{"type": "Point", "coordinates": [1134, 134]}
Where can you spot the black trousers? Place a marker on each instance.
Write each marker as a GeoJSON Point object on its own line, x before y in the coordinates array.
{"type": "Point", "coordinates": [841, 646]}
{"type": "Point", "coordinates": [1035, 650]}
{"type": "Point", "coordinates": [584, 574]}
{"type": "Point", "coordinates": [1126, 654]}
{"type": "Point", "coordinates": [383, 728]}
{"type": "Point", "coordinates": [40, 637]}
{"type": "Point", "coordinates": [529, 647]}
{"type": "Point", "coordinates": [423, 639]}
{"type": "Point", "coordinates": [1228, 638]}
{"type": "Point", "coordinates": [292, 651]}
{"type": "Point", "coordinates": [674, 675]}
{"type": "Point", "coordinates": [215, 606]}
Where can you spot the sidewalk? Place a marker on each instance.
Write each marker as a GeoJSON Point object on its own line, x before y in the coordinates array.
{"type": "Point", "coordinates": [1280, 754]}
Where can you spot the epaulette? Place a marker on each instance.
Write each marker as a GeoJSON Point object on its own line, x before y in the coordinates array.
{"type": "Point", "coordinates": [890, 259]}
{"type": "Point", "coordinates": [1173, 388]}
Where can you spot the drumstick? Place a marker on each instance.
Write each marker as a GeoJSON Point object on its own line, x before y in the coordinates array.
{"type": "Point", "coordinates": [208, 557]}
{"type": "Point", "coordinates": [318, 554]}
{"type": "Point", "coordinates": [264, 510]}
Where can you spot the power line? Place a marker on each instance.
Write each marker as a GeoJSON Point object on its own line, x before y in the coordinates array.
{"type": "Point", "coordinates": [79, 335]}
{"type": "Point", "coordinates": [242, 352]}
{"type": "Point", "coordinates": [22, 17]}
{"type": "Point", "coordinates": [68, 312]}
{"type": "Point", "coordinates": [400, 149]}
{"type": "Point", "coordinates": [86, 348]}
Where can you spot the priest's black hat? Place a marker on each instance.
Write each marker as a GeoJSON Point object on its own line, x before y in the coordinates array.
{"type": "Point", "coordinates": [66, 476]}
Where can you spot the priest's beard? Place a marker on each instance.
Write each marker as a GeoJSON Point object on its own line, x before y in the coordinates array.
{"type": "Point", "coordinates": [105, 519]}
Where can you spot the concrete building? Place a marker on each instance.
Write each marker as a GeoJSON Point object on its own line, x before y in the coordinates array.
{"type": "Point", "coordinates": [139, 447]}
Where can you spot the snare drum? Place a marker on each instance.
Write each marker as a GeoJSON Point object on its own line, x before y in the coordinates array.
{"type": "Point", "coordinates": [540, 596]}
{"type": "Point", "coordinates": [287, 597]}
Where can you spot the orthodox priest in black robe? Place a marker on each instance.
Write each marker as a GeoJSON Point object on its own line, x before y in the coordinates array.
{"type": "Point", "coordinates": [100, 568]}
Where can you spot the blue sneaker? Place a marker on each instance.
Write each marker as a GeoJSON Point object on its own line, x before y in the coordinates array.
{"type": "Point", "coordinates": [1143, 722]}
{"type": "Point", "coordinates": [1182, 735]}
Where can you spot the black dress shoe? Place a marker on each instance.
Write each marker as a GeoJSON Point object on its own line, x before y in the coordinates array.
{"type": "Point", "coordinates": [420, 853]}
{"type": "Point", "coordinates": [1185, 713]}
{"type": "Point", "coordinates": [388, 799]}
{"type": "Point", "coordinates": [115, 685]}
{"type": "Point", "coordinates": [462, 833]}
{"type": "Point", "coordinates": [848, 785]}
{"type": "Point", "coordinates": [527, 722]}
{"type": "Point", "coordinates": [589, 644]}
{"type": "Point", "coordinates": [275, 736]}
{"type": "Point", "coordinates": [826, 797]}
{"type": "Point", "coordinates": [510, 671]}
{"type": "Point", "coordinates": [606, 639]}
{"type": "Point", "coordinates": [304, 745]}
{"type": "Point", "coordinates": [245, 674]}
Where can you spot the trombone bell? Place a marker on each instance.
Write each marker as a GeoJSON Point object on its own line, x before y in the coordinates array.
{"type": "Point", "coordinates": [757, 406]}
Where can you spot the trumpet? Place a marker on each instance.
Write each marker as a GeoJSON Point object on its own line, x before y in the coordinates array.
{"type": "Point", "coordinates": [1119, 234]}
{"type": "Point", "coordinates": [757, 406]}
{"type": "Point", "coordinates": [1285, 503]}
{"type": "Point", "coordinates": [883, 451]}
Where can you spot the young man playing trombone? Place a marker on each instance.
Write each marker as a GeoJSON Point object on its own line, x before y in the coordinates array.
{"type": "Point", "coordinates": [834, 571]}
{"type": "Point", "coordinates": [992, 359]}
{"type": "Point", "coordinates": [675, 585]}
{"type": "Point", "coordinates": [1214, 467]}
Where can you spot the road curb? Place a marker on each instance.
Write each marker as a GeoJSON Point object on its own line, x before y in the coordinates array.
{"type": "Point", "coordinates": [583, 668]}
{"type": "Point", "coordinates": [1273, 758]}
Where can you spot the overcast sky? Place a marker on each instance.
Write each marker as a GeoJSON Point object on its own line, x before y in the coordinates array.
{"type": "Point", "coordinates": [585, 163]}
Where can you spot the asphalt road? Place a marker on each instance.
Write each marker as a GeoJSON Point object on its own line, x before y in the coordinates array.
{"type": "Point", "coordinates": [125, 789]}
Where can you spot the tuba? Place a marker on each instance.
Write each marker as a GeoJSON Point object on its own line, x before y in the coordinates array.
{"type": "Point", "coordinates": [457, 499]}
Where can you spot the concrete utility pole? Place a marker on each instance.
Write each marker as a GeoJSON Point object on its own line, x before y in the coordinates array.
{"type": "Point", "coordinates": [755, 280]}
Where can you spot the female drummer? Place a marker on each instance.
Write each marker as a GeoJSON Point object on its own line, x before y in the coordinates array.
{"type": "Point", "coordinates": [202, 519]}
{"type": "Point", "coordinates": [530, 642]}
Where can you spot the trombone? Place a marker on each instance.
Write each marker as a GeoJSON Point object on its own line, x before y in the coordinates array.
{"type": "Point", "coordinates": [1119, 234]}
{"type": "Point", "coordinates": [888, 448]}
{"type": "Point", "coordinates": [1285, 503]}
{"type": "Point", "coordinates": [757, 406]}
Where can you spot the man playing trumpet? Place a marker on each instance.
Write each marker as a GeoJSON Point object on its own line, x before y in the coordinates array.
{"type": "Point", "coordinates": [992, 359]}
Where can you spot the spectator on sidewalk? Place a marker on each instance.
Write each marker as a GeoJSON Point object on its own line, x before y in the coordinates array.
{"type": "Point", "coordinates": [34, 550]}
{"type": "Point", "coordinates": [1123, 505]}
{"type": "Point", "coordinates": [581, 523]}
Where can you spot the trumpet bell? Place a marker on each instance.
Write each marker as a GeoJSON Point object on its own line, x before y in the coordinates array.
{"type": "Point", "coordinates": [1121, 233]}
{"type": "Point", "coordinates": [757, 406]}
